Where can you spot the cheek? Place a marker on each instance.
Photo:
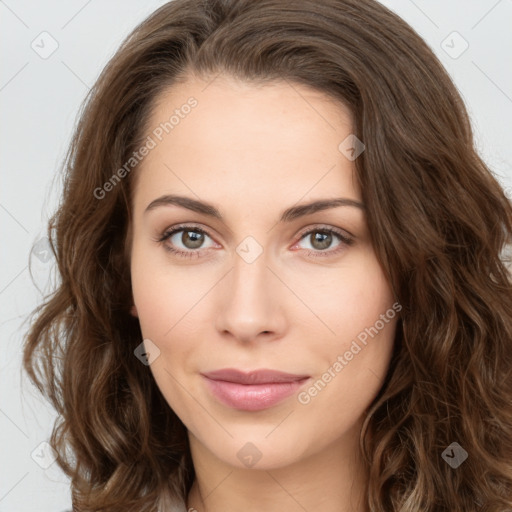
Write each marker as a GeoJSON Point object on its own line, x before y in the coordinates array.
{"type": "Point", "coordinates": [346, 299]}
{"type": "Point", "coordinates": [360, 357]}
{"type": "Point", "coordinates": [163, 294]}
{"type": "Point", "coordinates": [370, 295]}
{"type": "Point", "coordinates": [350, 375]}
{"type": "Point", "coordinates": [365, 365]}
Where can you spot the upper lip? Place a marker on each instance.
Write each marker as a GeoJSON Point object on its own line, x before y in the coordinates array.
{"type": "Point", "coordinates": [263, 376]}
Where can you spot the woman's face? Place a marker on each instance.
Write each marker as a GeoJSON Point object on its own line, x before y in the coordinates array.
{"type": "Point", "coordinates": [260, 274]}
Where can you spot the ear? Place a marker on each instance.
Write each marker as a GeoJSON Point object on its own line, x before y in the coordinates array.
{"type": "Point", "coordinates": [133, 311]}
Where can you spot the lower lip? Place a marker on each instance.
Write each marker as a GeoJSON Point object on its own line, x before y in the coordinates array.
{"type": "Point", "coordinates": [252, 397]}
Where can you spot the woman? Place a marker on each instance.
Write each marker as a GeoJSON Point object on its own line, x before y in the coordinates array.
{"type": "Point", "coordinates": [283, 273]}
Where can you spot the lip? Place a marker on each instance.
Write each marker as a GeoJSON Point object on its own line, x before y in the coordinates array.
{"type": "Point", "coordinates": [252, 391]}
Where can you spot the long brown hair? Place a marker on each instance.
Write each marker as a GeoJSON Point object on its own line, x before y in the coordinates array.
{"type": "Point", "coordinates": [439, 222]}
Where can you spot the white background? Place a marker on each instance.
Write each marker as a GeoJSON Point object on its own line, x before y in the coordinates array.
{"type": "Point", "coordinates": [39, 102]}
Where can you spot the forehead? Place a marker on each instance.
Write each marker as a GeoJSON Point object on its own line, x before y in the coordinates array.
{"type": "Point", "coordinates": [276, 141]}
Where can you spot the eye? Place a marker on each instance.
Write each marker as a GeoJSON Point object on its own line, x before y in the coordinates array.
{"type": "Point", "coordinates": [186, 241]}
{"type": "Point", "coordinates": [322, 240]}
{"type": "Point", "coordinates": [189, 241]}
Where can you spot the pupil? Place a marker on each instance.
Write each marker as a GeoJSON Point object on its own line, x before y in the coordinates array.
{"type": "Point", "coordinates": [192, 239]}
{"type": "Point", "coordinates": [321, 240]}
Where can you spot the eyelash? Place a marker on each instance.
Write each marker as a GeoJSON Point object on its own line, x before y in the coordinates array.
{"type": "Point", "coordinates": [195, 253]}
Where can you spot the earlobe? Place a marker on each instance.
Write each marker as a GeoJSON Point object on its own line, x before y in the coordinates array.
{"type": "Point", "coordinates": [133, 311]}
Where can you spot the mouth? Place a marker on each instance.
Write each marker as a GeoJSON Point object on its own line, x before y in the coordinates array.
{"type": "Point", "coordinates": [252, 391]}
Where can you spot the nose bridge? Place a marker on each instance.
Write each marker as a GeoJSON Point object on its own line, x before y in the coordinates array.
{"type": "Point", "coordinates": [250, 272]}
{"type": "Point", "coordinates": [249, 278]}
{"type": "Point", "coordinates": [250, 303]}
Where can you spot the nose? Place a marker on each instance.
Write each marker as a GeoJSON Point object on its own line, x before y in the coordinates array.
{"type": "Point", "coordinates": [250, 304]}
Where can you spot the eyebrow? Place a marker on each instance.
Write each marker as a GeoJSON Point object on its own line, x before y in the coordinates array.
{"type": "Point", "coordinates": [288, 215]}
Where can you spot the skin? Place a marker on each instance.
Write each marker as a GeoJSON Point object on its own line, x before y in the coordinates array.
{"type": "Point", "coordinates": [253, 151]}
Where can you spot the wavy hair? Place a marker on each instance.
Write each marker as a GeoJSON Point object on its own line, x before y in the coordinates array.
{"type": "Point", "coordinates": [439, 221]}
